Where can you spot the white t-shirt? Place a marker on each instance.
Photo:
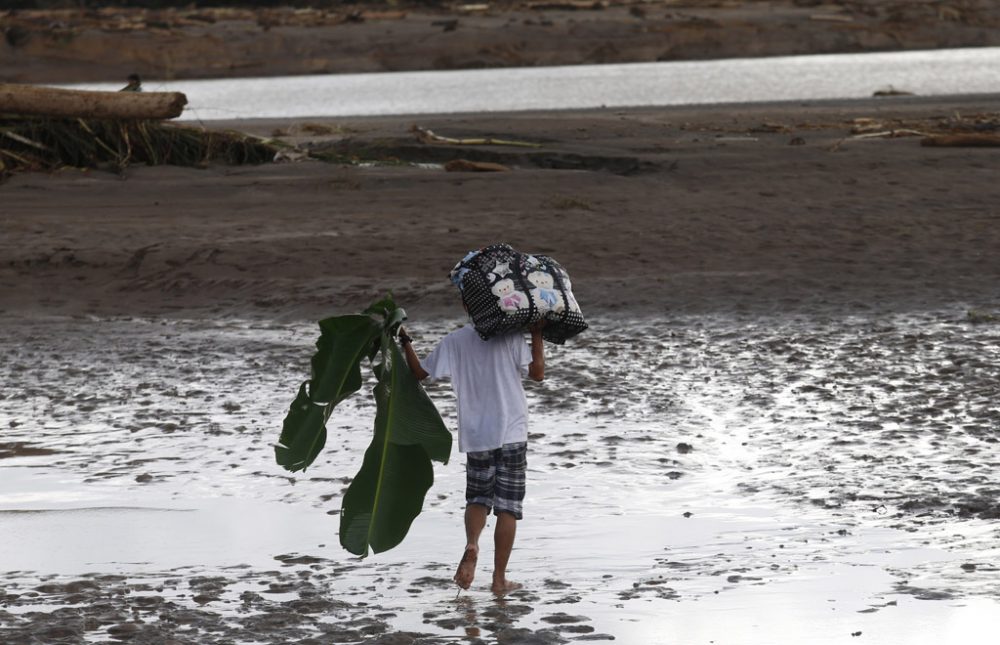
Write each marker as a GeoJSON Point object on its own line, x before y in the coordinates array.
{"type": "Point", "coordinates": [486, 377]}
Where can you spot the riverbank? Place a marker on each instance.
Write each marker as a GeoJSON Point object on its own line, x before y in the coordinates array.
{"type": "Point", "coordinates": [693, 209]}
{"type": "Point", "coordinates": [76, 46]}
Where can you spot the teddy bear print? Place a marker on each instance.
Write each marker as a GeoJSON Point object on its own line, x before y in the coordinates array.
{"type": "Point", "coordinates": [510, 299]}
{"type": "Point", "coordinates": [545, 295]}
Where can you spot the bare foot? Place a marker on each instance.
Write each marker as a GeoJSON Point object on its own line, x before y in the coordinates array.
{"type": "Point", "coordinates": [501, 587]}
{"type": "Point", "coordinates": [467, 567]}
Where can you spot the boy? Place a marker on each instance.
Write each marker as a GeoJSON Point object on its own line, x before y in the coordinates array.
{"type": "Point", "coordinates": [492, 431]}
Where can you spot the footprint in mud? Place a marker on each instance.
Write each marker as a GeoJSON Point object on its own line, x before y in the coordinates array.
{"type": "Point", "coordinates": [651, 588]}
{"type": "Point", "coordinates": [566, 623]}
{"type": "Point", "coordinates": [24, 449]}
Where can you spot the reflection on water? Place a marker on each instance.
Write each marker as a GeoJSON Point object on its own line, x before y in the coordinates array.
{"type": "Point", "coordinates": [786, 78]}
{"type": "Point", "coordinates": [785, 479]}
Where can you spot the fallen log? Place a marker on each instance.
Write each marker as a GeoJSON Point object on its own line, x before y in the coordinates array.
{"type": "Point", "coordinates": [962, 141]}
{"type": "Point", "coordinates": [32, 100]}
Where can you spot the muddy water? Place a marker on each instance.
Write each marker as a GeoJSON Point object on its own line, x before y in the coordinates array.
{"type": "Point", "coordinates": [737, 480]}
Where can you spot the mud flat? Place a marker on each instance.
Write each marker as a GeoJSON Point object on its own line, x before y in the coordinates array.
{"type": "Point", "coordinates": [778, 208]}
{"type": "Point", "coordinates": [801, 475]}
{"type": "Point", "coordinates": [788, 388]}
{"type": "Point", "coordinates": [64, 46]}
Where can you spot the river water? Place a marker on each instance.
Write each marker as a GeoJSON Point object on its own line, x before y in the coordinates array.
{"type": "Point", "coordinates": [788, 78]}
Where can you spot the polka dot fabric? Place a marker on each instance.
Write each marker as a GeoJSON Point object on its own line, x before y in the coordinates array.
{"type": "Point", "coordinates": [505, 290]}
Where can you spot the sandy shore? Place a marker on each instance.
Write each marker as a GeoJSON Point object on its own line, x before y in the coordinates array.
{"type": "Point", "coordinates": [64, 46]}
{"type": "Point", "coordinates": [772, 207]}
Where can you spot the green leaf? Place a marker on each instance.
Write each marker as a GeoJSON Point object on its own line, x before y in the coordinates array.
{"type": "Point", "coordinates": [392, 315]}
{"type": "Point", "coordinates": [381, 307]}
{"type": "Point", "coordinates": [303, 434]}
{"type": "Point", "coordinates": [410, 413]}
{"type": "Point", "coordinates": [385, 497]}
{"type": "Point", "coordinates": [336, 373]}
{"type": "Point", "coordinates": [336, 366]}
{"type": "Point", "coordinates": [389, 490]}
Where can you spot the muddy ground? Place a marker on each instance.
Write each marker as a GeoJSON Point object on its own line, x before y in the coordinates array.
{"type": "Point", "coordinates": [788, 387]}
{"type": "Point", "coordinates": [758, 453]}
{"type": "Point", "coordinates": [698, 209]}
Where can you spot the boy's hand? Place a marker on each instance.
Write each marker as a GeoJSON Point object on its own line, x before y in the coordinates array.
{"type": "Point", "coordinates": [411, 356]}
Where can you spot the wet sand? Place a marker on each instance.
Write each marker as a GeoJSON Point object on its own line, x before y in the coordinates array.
{"type": "Point", "coordinates": [776, 478]}
{"type": "Point", "coordinates": [788, 386]}
{"type": "Point", "coordinates": [66, 46]}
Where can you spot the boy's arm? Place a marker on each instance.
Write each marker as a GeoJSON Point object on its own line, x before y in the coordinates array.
{"type": "Point", "coordinates": [536, 369]}
{"type": "Point", "coordinates": [411, 356]}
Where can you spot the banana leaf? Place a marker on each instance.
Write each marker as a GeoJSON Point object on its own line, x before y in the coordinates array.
{"type": "Point", "coordinates": [385, 497]}
{"type": "Point", "coordinates": [336, 366]}
{"type": "Point", "coordinates": [388, 492]}
{"type": "Point", "coordinates": [303, 434]}
{"type": "Point", "coordinates": [392, 315]}
{"type": "Point", "coordinates": [336, 374]}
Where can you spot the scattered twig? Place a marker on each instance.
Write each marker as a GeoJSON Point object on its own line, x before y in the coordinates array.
{"type": "Point", "coordinates": [424, 135]}
{"type": "Point", "coordinates": [891, 134]}
{"type": "Point", "coordinates": [25, 140]}
{"type": "Point", "coordinates": [831, 17]}
{"type": "Point", "coordinates": [464, 165]}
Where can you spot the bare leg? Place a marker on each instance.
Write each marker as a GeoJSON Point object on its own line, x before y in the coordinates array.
{"type": "Point", "coordinates": [475, 521]}
{"type": "Point", "coordinates": [503, 539]}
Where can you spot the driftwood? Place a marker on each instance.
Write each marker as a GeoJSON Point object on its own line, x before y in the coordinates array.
{"type": "Point", "coordinates": [962, 141]}
{"type": "Point", "coordinates": [424, 135]}
{"type": "Point", "coordinates": [865, 125]}
{"type": "Point", "coordinates": [891, 134]}
{"type": "Point", "coordinates": [464, 165]}
{"type": "Point", "coordinates": [831, 17]}
{"type": "Point", "coordinates": [47, 101]}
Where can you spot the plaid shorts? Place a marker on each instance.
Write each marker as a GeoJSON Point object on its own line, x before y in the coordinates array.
{"type": "Point", "coordinates": [495, 478]}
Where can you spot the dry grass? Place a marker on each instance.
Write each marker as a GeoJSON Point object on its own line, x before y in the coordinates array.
{"type": "Point", "coordinates": [48, 144]}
